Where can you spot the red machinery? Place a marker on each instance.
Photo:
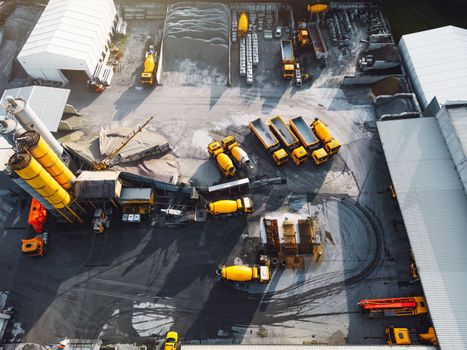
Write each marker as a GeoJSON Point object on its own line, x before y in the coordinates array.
{"type": "Point", "coordinates": [36, 246]}
{"type": "Point", "coordinates": [405, 306]}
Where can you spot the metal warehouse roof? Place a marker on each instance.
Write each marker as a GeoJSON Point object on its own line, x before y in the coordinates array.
{"type": "Point", "coordinates": [434, 208]}
{"type": "Point", "coordinates": [75, 30]}
{"type": "Point", "coordinates": [304, 347]}
{"type": "Point", "coordinates": [436, 61]}
{"type": "Point", "coordinates": [452, 120]}
{"type": "Point", "coordinates": [48, 102]}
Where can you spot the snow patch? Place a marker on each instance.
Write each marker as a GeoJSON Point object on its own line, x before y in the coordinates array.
{"type": "Point", "coordinates": [152, 320]}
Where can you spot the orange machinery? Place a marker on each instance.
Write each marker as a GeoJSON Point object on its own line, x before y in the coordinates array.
{"type": "Point", "coordinates": [36, 246]}
{"type": "Point", "coordinates": [405, 306]}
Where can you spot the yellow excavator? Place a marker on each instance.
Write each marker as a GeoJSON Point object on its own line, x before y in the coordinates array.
{"type": "Point", "coordinates": [105, 163]}
{"type": "Point", "coordinates": [147, 76]}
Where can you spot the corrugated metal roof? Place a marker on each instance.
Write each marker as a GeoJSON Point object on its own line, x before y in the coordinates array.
{"type": "Point", "coordinates": [304, 347]}
{"type": "Point", "coordinates": [47, 102]}
{"type": "Point", "coordinates": [434, 209]}
{"type": "Point", "coordinates": [452, 120]}
{"type": "Point", "coordinates": [76, 29]}
{"type": "Point", "coordinates": [98, 184]}
{"type": "Point", "coordinates": [436, 61]}
{"type": "Point", "coordinates": [129, 194]}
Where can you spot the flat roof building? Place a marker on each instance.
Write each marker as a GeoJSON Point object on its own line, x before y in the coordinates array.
{"type": "Point", "coordinates": [436, 62]}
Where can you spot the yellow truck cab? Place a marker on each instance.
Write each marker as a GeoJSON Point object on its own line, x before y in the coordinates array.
{"type": "Point", "coordinates": [280, 156]}
{"type": "Point", "coordinates": [223, 161]}
{"type": "Point", "coordinates": [171, 341]}
{"type": "Point", "coordinates": [319, 156]}
{"type": "Point", "coordinates": [299, 155]}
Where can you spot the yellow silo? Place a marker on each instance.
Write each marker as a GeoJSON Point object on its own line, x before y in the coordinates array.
{"type": "Point", "coordinates": [39, 179]}
{"type": "Point", "coordinates": [49, 160]}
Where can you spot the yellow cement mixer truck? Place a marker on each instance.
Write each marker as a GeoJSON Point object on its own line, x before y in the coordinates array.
{"type": "Point", "coordinates": [228, 207]}
{"type": "Point", "coordinates": [330, 144]}
{"type": "Point", "coordinates": [147, 76]}
{"type": "Point", "coordinates": [223, 161]}
{"type": "Point", "coordinates": [244, 273]}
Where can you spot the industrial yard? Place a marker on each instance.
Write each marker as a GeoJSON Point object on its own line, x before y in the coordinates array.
{"type": "Point", "coordinates": [299, 198]}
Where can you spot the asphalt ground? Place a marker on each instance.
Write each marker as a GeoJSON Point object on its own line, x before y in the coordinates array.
{"type": "Point", "coordinates": [134, 283]}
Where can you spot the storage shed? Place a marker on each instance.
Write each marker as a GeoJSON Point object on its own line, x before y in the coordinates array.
{"type": "Point", "coordinates": [70, 35]}
{"type": "Point", "coordinates": [436, 62]}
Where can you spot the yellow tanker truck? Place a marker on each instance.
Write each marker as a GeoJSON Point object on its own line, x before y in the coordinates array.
{"type": "Point", "coordinates": [244, 273]}
{"type": "Point", "coordinates": [223, 161]}
{"type": "Point", "coordinates": [231, 207]}
{"type": "Point", "coordinates": [331, 145]}
{"type": "Point", "coordinates": [242, 24]}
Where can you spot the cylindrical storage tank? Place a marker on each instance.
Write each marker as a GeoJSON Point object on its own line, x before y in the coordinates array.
{"type": "Point", "coordinates": [39, 179]}
{"type": "Point", "coordinates": [49, 160]}
{"type": "Point", "coordinates": [237, 273]}
{"type": "Point", "coordinates": [29, 190]}
{"type": "Point", "coordinates": [30, 121]}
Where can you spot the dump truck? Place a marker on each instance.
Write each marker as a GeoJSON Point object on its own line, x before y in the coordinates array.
{"type": "Point", "coordinates": [317, 42]}
{"type": "Point", "coordinates": [244, 273]}
{"type": "Point", "coordinates": [405, 336]}
{"type": "Point", "coordinates": [238, 154]}
{"type": "Point", "coordinates": [308, 140]}
{"type": "Point", "coordinates": [288, 59]}
{"type": "Point", "coordinates": [223, 161]}
{"type": "Point", "coordinates": [147, 76]}
{"type": "Point", "coordinates": [228, 207]}
{"type": "Point", "coordinates": [290, 141]}
{"type": "Point", "coordinates": [269, 141]}
{"type": "Point", "coordinates": [406, 306]}
{"type": "Point", "coordinates": [330, 144]}
{"type": "Point", "coordinates": [242, 24]}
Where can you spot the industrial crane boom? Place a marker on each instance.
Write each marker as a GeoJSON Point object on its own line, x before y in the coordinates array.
{"type": "Point", "coordinates": [104, 164]}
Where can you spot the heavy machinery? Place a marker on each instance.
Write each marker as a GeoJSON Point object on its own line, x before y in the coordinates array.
{"type": "Point", "coordinates": [242, 24]}
{"type": "Point", "coordinates": [36, 246]}
{"type": "Point", "coordinates": [308, 140]}
{"type": "Point", "coordinates": [288, 59]}
{"type": "Point", "coordinates": [331, 145]}
{"type": "Point", "coordinates": [101, 220]}
{"type": "Point", "coordinates": [105, 163]}
{"type": "Point", "coordinates": [147, 76]}
{"type": "Point", "coordinates": [137, 204]}
{"type": "Point", "coordinates": [238, 154]}
{"type": "Point", "coordinates": [269, 141]}
{"type": "Point", "coordinates": [282, 131]}
{"type": "Point", "coordinates": [244, 273]}
{"type": "Point", "coordinates": [405, 306]}
{"type": "Point", "coordinates": [223, 161]}
{"type": "Point", "coordinates": [171, 341]}
{"type": "Point", "coordinates": [228, 207]}
{"type": "Point", "coordinates": [404, 336]}
{"type": "Point", "coordinates": [301, 35]}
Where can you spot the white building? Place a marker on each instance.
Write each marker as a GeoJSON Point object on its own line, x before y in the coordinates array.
{"type": "Point", "coordinates": [436, 62]}
{"type": "Point", "coordinates": [425, 157]}
{"type": "Point", "coordinates": [70, 35]}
